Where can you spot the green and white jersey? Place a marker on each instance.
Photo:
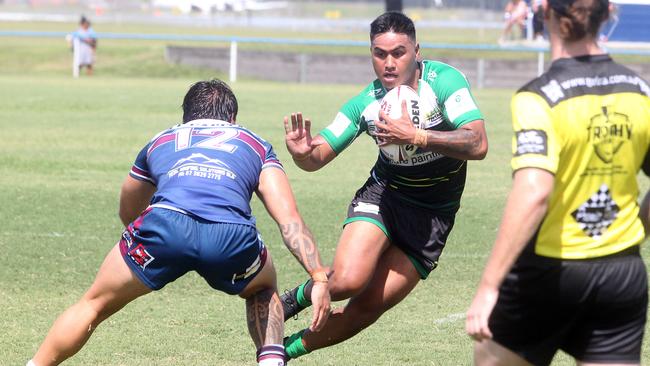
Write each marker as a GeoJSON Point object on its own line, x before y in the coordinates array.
{"type": "Point", "coordinates": [425, 178]}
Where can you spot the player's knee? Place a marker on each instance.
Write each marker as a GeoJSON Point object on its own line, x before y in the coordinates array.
{"type": "Point", "coordinates": [345, 285]}
{"type": "Point", "coordinates": [91, 312]}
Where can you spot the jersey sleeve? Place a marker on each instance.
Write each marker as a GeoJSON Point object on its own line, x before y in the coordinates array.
{"type": "Point", "coordinates": [455, 98]}
{"type": "Point", "coordinates": [140, 168]}
{"type": "Point", "coordinates": [345, 128]}
{"type": "Point", "coordinates": [270, 158]}
{"type": "Point", "coordinates": [535, 143]}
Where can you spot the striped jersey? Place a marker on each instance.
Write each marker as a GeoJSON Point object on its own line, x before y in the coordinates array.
{"type": "Point", "coordinates": [207, 168]}
{"type": "Point", "coordinates": [422, 177]}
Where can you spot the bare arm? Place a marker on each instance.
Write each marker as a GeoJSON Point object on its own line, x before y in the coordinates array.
{"type": "Point", "coordinates": [134, 198]}
{"type": "Point", "coordinates": [469, 142]}
{"type": "Point", "coordinates": [530, 192]}
{"type": "Point", "coordinates": [276, 194]}
{"type": "Point", "coordinates": [309, 154]}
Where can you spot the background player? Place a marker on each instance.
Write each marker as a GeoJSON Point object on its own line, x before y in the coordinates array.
{"type": "Point", "coordinates": [194, 182]}
{"type": "Point", "coordinates": [565, 272]}
{"type": "Point", "coordinates": [398, 222]}
{"type": "Point", "coordinates": [87, 45]}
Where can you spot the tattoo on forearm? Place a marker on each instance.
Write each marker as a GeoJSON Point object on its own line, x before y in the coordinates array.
{"type": "Point", "coordinates": [300, 242]}
{"type": "Point", "coordinates": [460, 141]}
{"type": "Point", "coordinates": [265, 318]}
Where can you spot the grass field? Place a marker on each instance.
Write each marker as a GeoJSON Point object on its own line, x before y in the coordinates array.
{"type": "Point", "coordinates": [67, 146]}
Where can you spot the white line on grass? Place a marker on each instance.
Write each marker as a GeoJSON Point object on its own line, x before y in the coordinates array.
{"type": "Point", "coordinates": [450, 318]}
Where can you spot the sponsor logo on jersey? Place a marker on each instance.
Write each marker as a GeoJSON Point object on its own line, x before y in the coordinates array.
{"type": "Point", "coordinates": [141, 256]}
{"type": "Point", "coordinates": [375, 92]}
{"type": "Point", "coordinates": [418, 157]}
{"type": "Point", "coordinates": [201, 166]}
{"type": "Point", "coordinates": [531, 142]}
{"type": "Point", "coordinates": [608, 131]}
{"type": "Point", "coordinates": [598, 213]}
{"type": "Point", "coordinates": [432, 75]}
{"type": "Point", "coordinates": [598, 81]}
{"type": "Point", "coordinates": [433, 118]}
{"type": "Point", "coordinates": [415, 113]}
{"type": "Point", "coordinates": [553, 91]}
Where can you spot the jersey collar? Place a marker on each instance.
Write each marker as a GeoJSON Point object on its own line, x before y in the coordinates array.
{"type": "Point", "coordinates": [205, 122]}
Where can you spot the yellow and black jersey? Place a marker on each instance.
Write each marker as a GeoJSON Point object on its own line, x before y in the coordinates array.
{"type": "Point", "coordinates": [587, 121]}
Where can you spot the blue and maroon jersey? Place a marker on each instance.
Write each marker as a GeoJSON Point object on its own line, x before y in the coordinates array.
{"type": "Point", "coordinates": [207, 168]}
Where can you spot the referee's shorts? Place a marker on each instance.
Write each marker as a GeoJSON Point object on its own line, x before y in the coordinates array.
{"type": "Point", "coordinates": [594, 310]}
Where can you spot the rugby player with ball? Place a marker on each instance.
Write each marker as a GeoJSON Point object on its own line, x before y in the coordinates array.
{"type": "Point", "coordinates": [399, 220]}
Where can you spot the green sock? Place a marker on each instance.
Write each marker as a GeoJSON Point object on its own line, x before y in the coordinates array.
{"type": "Point", "coordinates": [293, 346]}
{"type": "Point", "coordinates": [300, 296]}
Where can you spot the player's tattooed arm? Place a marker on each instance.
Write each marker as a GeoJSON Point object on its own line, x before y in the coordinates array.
{"type": "Point", "coordinates": [466, 143]}
{"type": "Point", "coordinates": [300, 241]}
{"type": "Point", "coordinates": [275, 192]}
{"type": "Point", "coordinates": [469, 142]}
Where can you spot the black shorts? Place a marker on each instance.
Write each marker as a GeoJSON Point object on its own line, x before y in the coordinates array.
{"type": "Point", "coordinates": [421, 233]}
{"type": "Point", "coordinates": [538, 21]}
{"type": "Point", "coordinates": [594, 310]}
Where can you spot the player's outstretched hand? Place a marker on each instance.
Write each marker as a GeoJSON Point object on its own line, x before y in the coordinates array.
{"type": "Point", "coordinates": [476, 323]}
{"type": "Point", "coordinates": [297, 136]}
{"type": "Point", "coordinates": [320, 299]}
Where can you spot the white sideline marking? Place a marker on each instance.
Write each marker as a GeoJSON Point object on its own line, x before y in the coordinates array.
{"type": "Point", "coordinates": [450, 318]}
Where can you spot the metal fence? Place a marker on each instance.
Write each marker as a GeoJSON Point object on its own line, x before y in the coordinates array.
{"type": "Point", "coordinates": [473, 4]}
{"type": "Point", "coordinates": [481, 72]}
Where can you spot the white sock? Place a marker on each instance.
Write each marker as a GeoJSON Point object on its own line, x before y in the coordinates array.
{"type": "Point", "coordinates": [271, 355]}
{"type": "Point", "coordinates": [269, 362]}
{"type": "Point", "coordinates": [30, 363]}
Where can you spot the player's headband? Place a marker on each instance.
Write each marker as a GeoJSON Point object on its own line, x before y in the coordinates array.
{"type": "Point", "coordinates": [562, 6]}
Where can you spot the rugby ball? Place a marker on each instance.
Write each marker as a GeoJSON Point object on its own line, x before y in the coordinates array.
{"type": "Point", "coordinates": [391, 104]}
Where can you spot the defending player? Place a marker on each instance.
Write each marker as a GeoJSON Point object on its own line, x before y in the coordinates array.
{"type": "Point", "coordinates": [186, 204]}
{"type": "Point", "coordinates": [399, 221]}
{"type": "Point", "coordinates": [565, 272]}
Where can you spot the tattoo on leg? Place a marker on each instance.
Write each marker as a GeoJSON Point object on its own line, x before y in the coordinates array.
{"type": "Point", "coordinates": [265, 318]}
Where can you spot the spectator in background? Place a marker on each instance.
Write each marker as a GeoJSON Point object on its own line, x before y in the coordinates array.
{"type": "Point", "coordinates": [87, 44]}
{"type": "Point", "coordinates": [515, 14]}
{"type": "Point", "coordinates": [538, 19]}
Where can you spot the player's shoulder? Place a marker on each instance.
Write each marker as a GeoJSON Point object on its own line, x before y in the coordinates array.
{"type": "Point", "coordinates": [372, 92]}
{"type": "Point", "coordinates": [252, 134]}
{"type": "Point", "coordinates": [573, 77]}
{"type": "Point", "coordinates": [368, 96]}
{"type": "Point", "coordinates": [436, 71]}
